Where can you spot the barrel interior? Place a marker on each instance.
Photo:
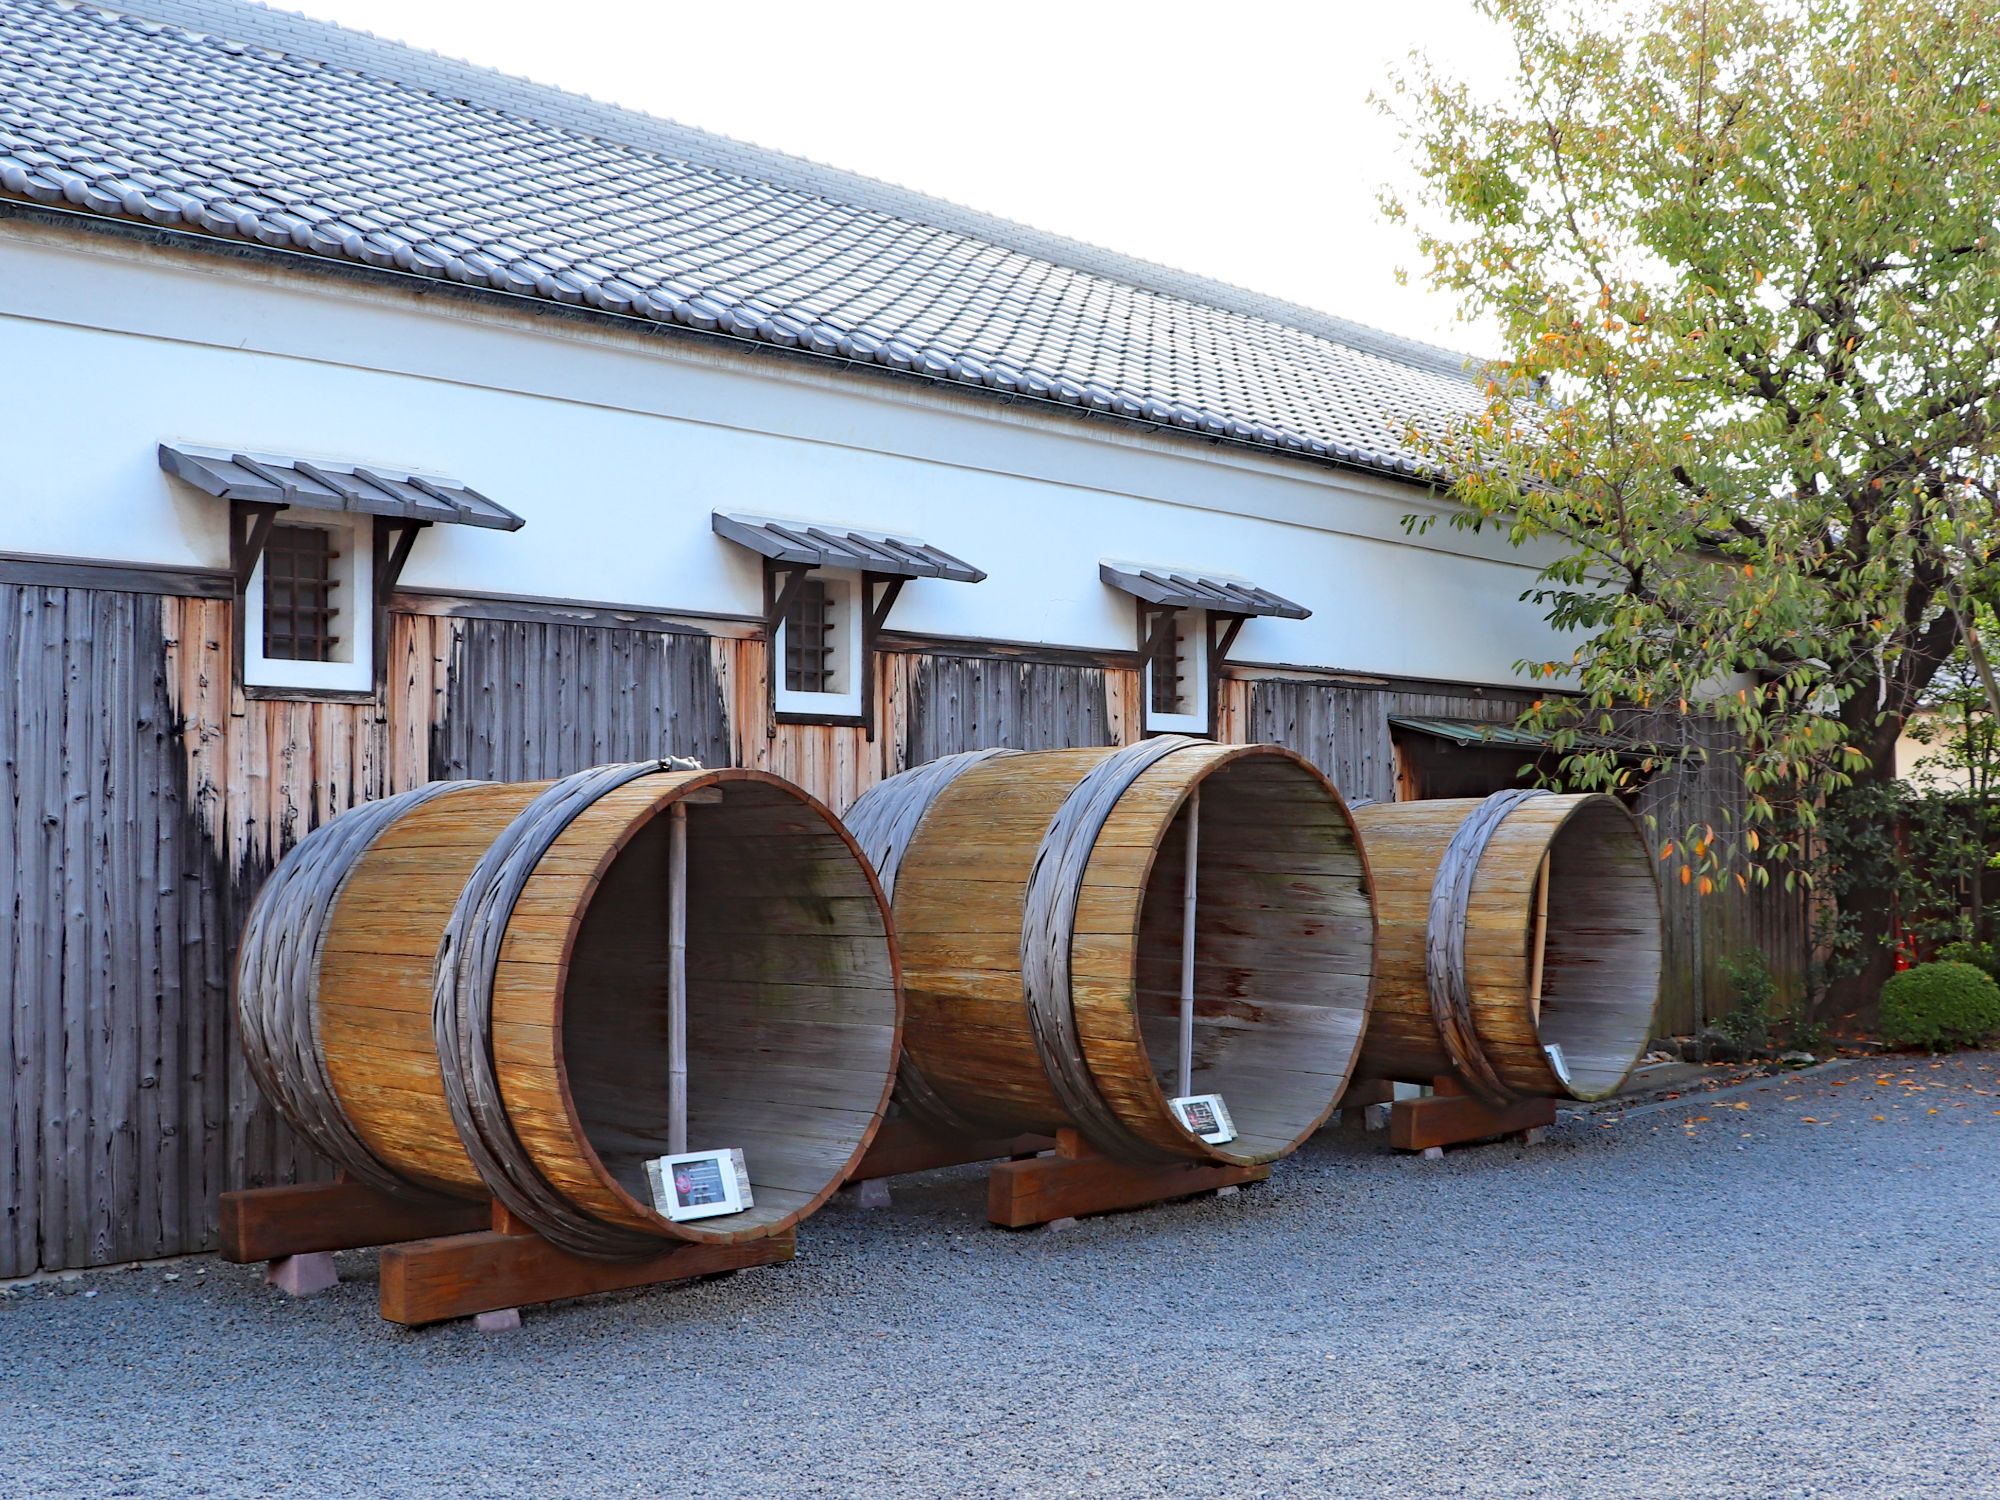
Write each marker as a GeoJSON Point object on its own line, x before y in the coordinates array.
{"type": "Point", "coordinates": [1601, 970]}
{"type": "Point", "coordinates": [791, 1003]}
{"type": "Point", "coordinates": [1284, 950]}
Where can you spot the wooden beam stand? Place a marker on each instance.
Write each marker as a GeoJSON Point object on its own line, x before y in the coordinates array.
{"type": "Point", "coordinates": [269, 1223]}
{"type": "Point", "coordinates": [1074, 1180]}
{"type": "Point", "coordinates": [902, 1145]}
{"type": "Point", "coordinates": [431, 1281]}
{"type": "Point", "coordinates": [1450, 1116]}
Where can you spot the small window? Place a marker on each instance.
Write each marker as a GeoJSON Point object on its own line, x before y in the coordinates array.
{"type": "Point", "coordinates": [1176, 669]}
{"type": "Point", "coordinates": [309, 610]}
{"type": "Point", "coordinates": [819, 647]}
{"type": "Point", "coordinates": [300, 594]}
{"type": "Point", "coordinates": [810, 636]}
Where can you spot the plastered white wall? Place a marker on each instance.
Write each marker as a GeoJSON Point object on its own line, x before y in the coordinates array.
{"type": "Point", "coordinates": [616, 447]}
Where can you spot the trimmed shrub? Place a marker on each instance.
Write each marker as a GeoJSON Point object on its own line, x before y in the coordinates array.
{"type": "Point", "coordinates": [1940, 1006]}
{"type": "Point", "coordinates": [1979, 955]}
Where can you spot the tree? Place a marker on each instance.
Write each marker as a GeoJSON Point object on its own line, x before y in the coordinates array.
{"type": "Point", "coordinates": [1744, 260]}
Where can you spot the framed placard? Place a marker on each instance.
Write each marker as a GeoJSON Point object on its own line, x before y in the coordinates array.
{"type": "Point", "coordinates": [1205, 1115]}
{"type": "Point", "coordinates": [699, 1184]}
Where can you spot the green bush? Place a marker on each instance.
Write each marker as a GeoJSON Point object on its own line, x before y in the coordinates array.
{"type": "Point", "coordinates": [1747, 1027]}
{"type": "Point", "coordinates": [1979, 955]}
{"type": "Point", "coordinates": [1939, 1006]}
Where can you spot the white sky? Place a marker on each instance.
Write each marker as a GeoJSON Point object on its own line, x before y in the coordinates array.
{"type": "Point", "coordinates": [1233, 141]}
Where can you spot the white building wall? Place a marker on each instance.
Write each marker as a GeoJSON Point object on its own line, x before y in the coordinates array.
{"type": "Point", "coordinates": [616, 447]}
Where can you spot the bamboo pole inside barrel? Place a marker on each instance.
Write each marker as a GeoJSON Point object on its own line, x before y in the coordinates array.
{"type": "Point", "coordinates": [470, 990]}
{"type": "Point", "coordinates": [1040, 900]}
{"type": "Point", "coordinates": [1562, 944]}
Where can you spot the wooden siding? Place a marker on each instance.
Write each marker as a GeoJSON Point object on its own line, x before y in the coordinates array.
{"type": "Point", "coordinates": [143, 800]}
{"type": "Point", "coordinates": [529, 700]}
{"type": "Point", "coordinates": [982, 702]}
{"type": "Point", "coordinates": [113, 1056]}
{"type": "Point", "coordinates": [1344, 730]}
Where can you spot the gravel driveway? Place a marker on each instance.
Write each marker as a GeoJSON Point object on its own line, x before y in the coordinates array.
{"type": "Point", "coordinates": [1768, 1293]}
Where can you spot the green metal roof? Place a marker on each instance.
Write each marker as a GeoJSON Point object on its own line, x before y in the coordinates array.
{"type": "Point", "coordinates": [1483, 734]}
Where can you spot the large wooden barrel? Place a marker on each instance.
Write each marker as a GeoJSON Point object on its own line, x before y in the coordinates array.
{"type": "Point", "coordinates": [1040, 902]}
{"type": "Point", "coordinates": [463, 990]}
{"type": "Point", "coordinates": [1520, 943]}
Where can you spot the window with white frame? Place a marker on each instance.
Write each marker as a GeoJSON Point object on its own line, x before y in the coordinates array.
{"type": "Point", "coordinates": [1175, 669]}
{"type": "Point", "coordinates": [819, 648]}
{"type": "Point", "coordinates": [308, 615]}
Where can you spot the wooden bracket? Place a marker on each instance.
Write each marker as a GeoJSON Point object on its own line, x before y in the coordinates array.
{"type": "Point", "coordinates": [1232, 626]}
{"type": "Point", "coordinates": [1075, 1180]}
{"type": "Point", "coordinates": [902, 1145]}
{"type": "Point", "coordinates": [878, 610]}
{"type": "Point", "coordinates": [393, 541]}
{"type": "Point", "coordinates": [1156, 624]}
{"type": "Point", "coordinates": [782, 582]}
{"type": "Point", "coordinates": [457, 1277]}
{"type": "Point", "coordinates": [267, 1223]}
{"type": "Point", "coordinates": [250, 523]}
{"type": "Point", "coordinates": [1452, 1117]}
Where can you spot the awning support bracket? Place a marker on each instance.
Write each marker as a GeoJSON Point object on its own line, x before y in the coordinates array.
{"type": "Point", "coordinates": [250, 523]}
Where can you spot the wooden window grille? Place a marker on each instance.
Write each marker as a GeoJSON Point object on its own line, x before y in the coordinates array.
{"type": "Point", "coordinates": [809, 639]}
{"type": "Point", "coordinates": [1165, 663]}
{"type": "Point", "coordinates": [298, 594]}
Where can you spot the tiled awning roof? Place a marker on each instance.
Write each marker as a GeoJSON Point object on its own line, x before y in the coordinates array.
{"type": "Point", "coordinates": [216, 119]}
{"type": "Point", "coordinates": [815, 545]}
{"type": "Point", "coordinates": [1173, 588]}
{"type": "Point", "coordinates": [325, 485]}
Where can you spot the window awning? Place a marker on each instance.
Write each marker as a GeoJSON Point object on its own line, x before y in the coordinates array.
{"type": "Point", "coordinates": [1216, 593]}
{"type": "Point", "coordinates": [361, 489]}
{"type": "Point", "coordinates": [1483, 735]}
{"type": "Point", "coordinates": [808, 544]}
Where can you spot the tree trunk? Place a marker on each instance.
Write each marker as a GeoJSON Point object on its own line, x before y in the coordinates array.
{"type": "Point", "coordinates": [1868, 901]}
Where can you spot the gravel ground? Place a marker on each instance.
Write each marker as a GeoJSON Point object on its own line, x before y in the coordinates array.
{"type": "Point", "coordinates": [1789, 1290]}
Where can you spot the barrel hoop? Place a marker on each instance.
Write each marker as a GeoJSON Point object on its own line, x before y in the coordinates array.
{"type": "Point", "coordinates": [462, 1016]}
{"type": "Point", "coordinates": [884, 822]}
{"type": "Point", "coordinates": [1444, 943]}
{"type": "Point", "coordinates": [277, 981]}
{"type": "Point", "coordinates": [1048, 919]}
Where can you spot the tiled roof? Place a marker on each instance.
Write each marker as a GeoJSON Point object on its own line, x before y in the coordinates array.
{"type": "Point", "coordinates": [231, 120]}
{"type": "Point", "coordinates": [1177, 588]}
{"type": "Point", "coordinates": [327, 485]}
{"type": "Point", "coordinates": [818, 546]}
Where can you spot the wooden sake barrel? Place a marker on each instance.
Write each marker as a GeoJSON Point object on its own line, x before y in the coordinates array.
{"type": "Point", "coordinates": [1520, 943]}
{"type": "Point", "coordinates": [1039, 908]}
{"type": "Point", "coordinates": [463, 990]}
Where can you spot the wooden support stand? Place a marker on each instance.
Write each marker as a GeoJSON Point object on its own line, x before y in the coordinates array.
{"type": "Point", "coordinates": [507, 1266]}
{"type": "Point", "coordinates": [1452, 1117]}
{"type": "Point", "coordinates": [1361, 1093]}
{"type": "Point", "coordinates": [902, 1145]}
{"type": "Point", "coordinates": [274, 1222]}
{"type": "Point", "coordinates": [1074, 1180]}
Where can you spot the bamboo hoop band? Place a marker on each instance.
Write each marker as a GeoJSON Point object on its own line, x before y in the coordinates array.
{"type": "Point", "coordinates": [277, 978]}
{"type": "Point", "coordinates": [1444, 943]}
{"type": "Point", "coordinates": [462, 1015]}
{"type": "Point", "coordinates": [884, 822]}
{"type": "Point", "coordinates": [1048, 912]}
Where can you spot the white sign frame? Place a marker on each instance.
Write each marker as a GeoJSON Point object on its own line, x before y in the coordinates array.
{"type": "Point", "coordinates": [682, 1184]}
{"type": "Point", "coordinates": [1204, 1116]}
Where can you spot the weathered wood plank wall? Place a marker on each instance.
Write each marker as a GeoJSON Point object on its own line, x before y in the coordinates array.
{"type": "Point", "coordinates": [113, 1064]}
{"type": "Point", "coordinates": [962, 703]}
{"type": "Point", "coordinates": [527, 700]}
{"type": "Point", "coordinates": [1345, 731]}
{"type": "Point", "coordinates": [143, 800]}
